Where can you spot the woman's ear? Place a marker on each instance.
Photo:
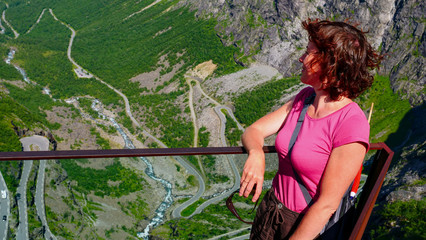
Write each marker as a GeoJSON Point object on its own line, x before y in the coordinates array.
{"type": "Point", "coordinates": [324, 82]}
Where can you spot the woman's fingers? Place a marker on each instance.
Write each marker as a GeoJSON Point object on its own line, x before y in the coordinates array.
{"type": "Point", "coordinates": [258, 191]}
{"type": "Point", "coordinates": [244, 183]}
{"type": "Point", "coordinates": [252, 176]}
{"type": "Point", "coordinates": [243, 186]}
{"type": "Point", "coordinates": [249, 188]}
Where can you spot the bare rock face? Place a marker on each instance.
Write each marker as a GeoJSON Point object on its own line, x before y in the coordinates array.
{"type": "Point", "coordinates": [270, 31]}
{"type": "Point", "coordinates": [403, 181]}
{"type": "Point", "coordinates": [405, 43]}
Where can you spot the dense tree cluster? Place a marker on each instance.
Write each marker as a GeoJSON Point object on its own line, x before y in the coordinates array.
{"type": "Point", "coordinates": [256, 103]}
{"type": "Point", "coordinates": [99, 182]}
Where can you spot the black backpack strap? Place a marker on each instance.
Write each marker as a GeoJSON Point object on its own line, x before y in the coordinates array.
{"type": "Point", "coordinates": [308, 101]}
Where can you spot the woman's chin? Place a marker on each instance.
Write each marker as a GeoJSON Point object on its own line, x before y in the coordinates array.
{"type": "Point", "coordinates": [305, 80]}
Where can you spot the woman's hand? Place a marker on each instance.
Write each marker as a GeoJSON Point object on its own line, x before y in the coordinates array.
{"type": "Point", "coordinates": [253, 140]}
{"type": "Point", "coordinates": [254, 170]}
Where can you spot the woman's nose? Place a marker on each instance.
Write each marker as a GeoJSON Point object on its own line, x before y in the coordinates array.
{"type": "Point", "coordinates": [302, 58]}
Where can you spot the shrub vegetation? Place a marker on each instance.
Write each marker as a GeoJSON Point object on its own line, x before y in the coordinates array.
{"type": "Point", "coordinates": [402, 220]}
{"type": "Point", "coordinates": [256, 103]}
{"type": "Point", "coordinates": [114, 181]}
{"type": "Point", "coordinates": [388, 112]}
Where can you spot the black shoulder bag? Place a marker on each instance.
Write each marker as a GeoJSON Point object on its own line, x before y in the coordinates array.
{"type": "Point", "coordinates": [340, 224]}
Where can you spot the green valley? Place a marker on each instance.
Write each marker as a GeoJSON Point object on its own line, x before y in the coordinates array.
{"type": "Point", "coordinates": [133, 74]}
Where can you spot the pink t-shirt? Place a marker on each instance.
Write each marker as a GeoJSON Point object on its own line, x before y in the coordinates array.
{"type": "Point", "coordinates": [315, 142]}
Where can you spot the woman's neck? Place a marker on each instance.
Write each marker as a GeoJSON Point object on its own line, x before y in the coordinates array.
{"type": "Point", "coordinates": [323, 105]}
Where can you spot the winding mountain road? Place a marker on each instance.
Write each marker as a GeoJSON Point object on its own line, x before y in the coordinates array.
{"type": "Point", "coordinates": [21, 191]}
{"type": "Point", "coordinates": [3, 16]}
{"type": "Point", "coordinates": [176, 213]}
{"type": "Point", "coordinates": [89, 75]}
{"type": "Point", "coordinates": [39, 200]}
{"type": "Point", "coordinates": [81, 73]}
{"type": "Point", "coordinates": [237, 177]}
{"type": "Point", "coordinates": [191, 108]}
{"type": "Point", "coordinates": [33, 143]}
{"type": "Point", "coordinates": [4, 209]}
{"type": "Point", "coordinates": [228, 234]}
{"type": "Point", "coordinates": [194, 121]}
{"type": "Point", "coordinates": [3, 30]}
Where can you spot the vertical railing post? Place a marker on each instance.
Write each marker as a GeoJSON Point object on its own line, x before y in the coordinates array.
{"type": "Point", "coordinates": [371, 188]}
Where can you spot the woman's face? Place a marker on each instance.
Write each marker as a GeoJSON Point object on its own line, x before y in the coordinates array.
{"type": "Point", "coordinates": [310, 72]}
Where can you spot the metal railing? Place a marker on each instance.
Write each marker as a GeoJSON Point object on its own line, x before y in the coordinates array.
{"type": "Point", "coordinates": [371, 188]}
{"type": "Point", "coordinates": [364, 208]}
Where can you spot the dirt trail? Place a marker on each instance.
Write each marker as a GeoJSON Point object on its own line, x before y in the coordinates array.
{"type": "Point", "coordinates": [202, 70]}
{"type": "Point", "coordinates": [143, 9]}
{"type": "Point", "coordinates": [3, 30]}
{"type": "Point", "coordinates": [191, 107]}
{"type": "Point", "coordinates": [198, 75]}
{"type": "Point", "coordinates": [8, 24]}
{"type": "Point", "coordinates": [81, 72]}
{"type": "Point", "coordinates": [38, 20]}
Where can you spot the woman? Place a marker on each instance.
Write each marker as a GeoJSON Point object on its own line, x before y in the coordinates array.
{"type": "Point", "coordinates": [332, 141]}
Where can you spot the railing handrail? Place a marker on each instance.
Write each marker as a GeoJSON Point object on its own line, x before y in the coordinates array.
{"type": "Point", "coordinates": [141, 152]}
{"type": "Point", "coordinates": [365, 206]}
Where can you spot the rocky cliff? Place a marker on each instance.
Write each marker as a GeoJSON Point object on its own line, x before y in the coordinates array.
{"type": "Point", "coordinates": [270, 32]}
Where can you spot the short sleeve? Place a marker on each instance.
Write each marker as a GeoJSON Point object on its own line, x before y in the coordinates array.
{"type": "Point", "coordinates": [353, 129]}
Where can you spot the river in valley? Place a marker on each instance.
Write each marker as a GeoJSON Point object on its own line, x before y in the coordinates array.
{"type": "Point", "coordinates": [168, 200]}
{"type": "Point", "coordinates": [8, 60]}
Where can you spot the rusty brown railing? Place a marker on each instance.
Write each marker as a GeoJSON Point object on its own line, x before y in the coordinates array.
{"type": "Point", "coordinates": [143, 152]}
{"type": "Point", "coordinates": [365, 205]}
{"type": "Point", "coordinates": [371, 188]}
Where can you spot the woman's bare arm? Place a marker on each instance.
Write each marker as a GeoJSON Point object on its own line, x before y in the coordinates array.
{"type": "Point", "coordinates": [253, 140]}
{"type": "Point", "coordinates": [342, 167]}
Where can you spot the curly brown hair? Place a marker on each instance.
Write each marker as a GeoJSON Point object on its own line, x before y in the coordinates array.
{"type": "Point", "coordinates": [345, 57]}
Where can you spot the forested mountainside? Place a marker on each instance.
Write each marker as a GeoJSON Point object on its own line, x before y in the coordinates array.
{"type": "Point", "coordinates": [164, 72]}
